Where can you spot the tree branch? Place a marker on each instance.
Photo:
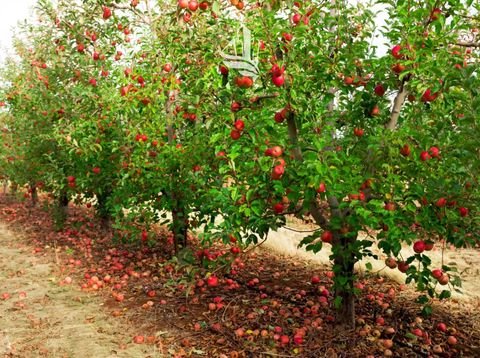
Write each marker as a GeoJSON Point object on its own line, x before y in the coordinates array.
{"type": "Point", "coordinates": [397, 106]}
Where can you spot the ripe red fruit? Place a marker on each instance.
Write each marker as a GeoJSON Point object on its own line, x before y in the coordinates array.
{"type": "Point", "coordinates": [443, 280]}
{"type": "Point", "coordinates": [403, 266]}
{"type": "Point", "coordinates": [182, 4]}
{"type": "Point", "coordinates": [452, 340]}
{"type": "Point", "coordinates": [348, 80]}
{"type": "Point", "coordinates": [322, 188]}
{"type": "Point", "coordinates": [442, 327]}
{"type": "Point", "coordinates": [429, 245]}
{"type": "Point", "coordinates": [441, 202]}
{"type": "Point", "coordinates": [391, 262]}
{"type": "Point", "coordinates": [298, 339]}
{"type": "Point", "coordinates": [375, 111]}
{"type": "Point", "coordinates": [96, 56]}
{"type": "Point", "coordinates": [278, 80]}
{"type": "Point", "coordinates": [124, 91]}
{"type": "Point", "coordinates": [280, 115]}
{"type": "Point", "coordinates": [96, 170]}
{"type": "Point", "coordinates": [315, 279]}
{"type": "Point", "coordinates": [187, 17]}
{"type": "Point", "coordinates": [167, 67]}
{"type": "Point", "coordinates": [138, 339]}
{"type": "Point", "coordinates": [239, 125]}
{"type": "Point", "coordinates": [405, 150]}
{"type": "Point", "coordinates": [276, 151]}
{"type": "Point", "coordinates": [278, 208]}
{"type": "Point", "coordinates": [235, 134]}
{"type": "Point", "coordinates": [203, 5]}
{"type": "Point", "coordinates": [398, 68]}
{"type": "Point", "coordinates": [419, 246]}
{"type": "Point", "coordinates": [437, 273]}
{"type": "Point", "coordinates": [71, 178]}
{"type": "Point", "coordinates": [193, 5]}
{"type": "Point", "coordinates": [396, 52]}
{"type": "Point", "coordinates": [435, 13]}
{"type": "Point", "coordinates": [287, 37]}
{"type": "Point", "coordinates": [428, 96]}
{"type": "Point", "coordinates": [358, 132]}
{"type": "Point", "coordinates": [379, 90]}
{"type": "Point", "coordinates": [418, 332]}
{"type": "Point", "coordinates": [327, 237]}
{"type": "Point", "coordinates": [389, 206]}
{"type": "Point", "coordinates": [277, 172]}
{"type": "Point", "coordinates": [144, 235]}
{"type": "Point", "coordinates": [284, 340]}
{"type": "Point", "coordinates": [276, 70]}
{"type": "Point", "coordinates": [93, 82]}
{"type": "Point", "coordinates": [296, 18]}
{"type": "Point", "coordinates": [434, 152]}
{"type": "Point", "coordinates": [235, 106]}
{"type": "Point", "coordinates": [107, 13]}
{"type": "Point", "coordinates": [223, 70]}
{"type": "Point", "coordinates": [463, 211]}
{"type": "Point", "coordinates": [424, 156]}
{"type": "Point", "coordinates": [80, 48]}
{"type": "Point", "coordinates": [212, 281]}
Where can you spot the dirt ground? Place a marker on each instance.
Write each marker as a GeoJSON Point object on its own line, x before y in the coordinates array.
{"type": "Point", "coordinates": [42, 318]}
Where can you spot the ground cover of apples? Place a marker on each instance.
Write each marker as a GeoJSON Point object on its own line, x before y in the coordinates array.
{"type": "Point", "coordinates": [247, 302]}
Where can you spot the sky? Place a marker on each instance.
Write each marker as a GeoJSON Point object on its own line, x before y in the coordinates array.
{"type": "Point", "coordinates": [12, 12]}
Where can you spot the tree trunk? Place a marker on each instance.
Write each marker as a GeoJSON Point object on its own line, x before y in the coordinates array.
{"type": "Point", "coordinates": [179, 228]}
{"type": "Point", "coordinates": [33, 190]}
{"type": "Point", "coordinates": [61, 210]}
{"type": "Point", "coordinates": [343, 266]}
{"type": "Point", "coordinates": [102, 210]}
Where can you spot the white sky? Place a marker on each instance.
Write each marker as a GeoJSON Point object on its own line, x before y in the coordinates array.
{"type": "Point", "coordinates": [10, 13]}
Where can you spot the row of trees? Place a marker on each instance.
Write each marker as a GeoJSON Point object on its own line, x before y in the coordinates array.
{"type": "Point", "coordinates": [136, 105]}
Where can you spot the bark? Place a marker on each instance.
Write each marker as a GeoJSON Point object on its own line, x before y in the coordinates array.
{"type": "Point", "coordinates": [61, 210]}
{"type": "Point", "coordinates": [102, 210]}
{"type": "Point", "coordinates": [343, 266]}
{"type": "Point", "coordinates": [397, 106]}
{"type": "Point", "coordinates": [179, 228]}
{"type": "Point", "coordinates": [33, 189]}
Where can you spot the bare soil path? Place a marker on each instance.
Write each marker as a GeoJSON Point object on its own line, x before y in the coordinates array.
{"type": "Point", "coordinates": [42, 318]}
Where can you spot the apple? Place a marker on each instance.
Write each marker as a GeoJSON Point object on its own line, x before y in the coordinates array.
{"type": "Point", "coordinates": [327, 237]}
{"type": "Point", "coordinates": [95, 56]}
{"type": "Point", "coordinates": [167, 67]}
{"type": "Point", "coordinates": [96, 170]}
{"type": "Point", "coordinates": [441, 202]}
{"type": "Point", "coordinates": [405, 150]}
{"type": "Point", "coordinates": [278, 80]}
{"type": "Point", "coordinates": [138, 339]}
{"type": "Point", "coordinates": [280, 115]}
{"type": "Point", "coordinates": [463, 211]}
{"type": "Point", "coordinates": [212, 281]}
{"type": "Point", "coordinates": [418, 332]}
{"type": "Point", "coordinates": [442, 327]}
{"type": "Point", "coordinates": [348, 80]}
{"type": "Point", "coordinates": [322, 188]}
{"type": "Point", "coordinates": [434, 152]}
{"type": "Point", "coordinates": [315, 279]}
{"type": "Point", "coordinates": [239, 125]}
{"type": "Point", "coordinates": [182, 4]}
{"type": "Point", "coordinates": [389, 206]}
{"type": "Point", "coordinates": [71, 179]}
{"type": "Point", "coordinates": [80, 47]}
{"type": "Point", "coordinates": [193, 5]}
{"type": "Point", "coordinates": [398, 68]}
{"type": "Point", "coordinates": [278, 172]}
{"type": "Point", "coordinates": [276, 151]}
{"type": "Point", "coordinates": [278, 208]}
{"type": "Point", "coordinates": [419, 246]}
{"type": "Point", "coordinates": [391, 262]}
{"type": "Point", "coordinates": [296, 18]}
{"type": "Point", "coordinates": [235, 134]}
{"type": "Point", "coordinates": [203, 5]}
{"type": "Point", "coordinates": [223, 70]}
{"type": "Point", "coordinates": [443, 280]}
{"type": "Point", "coordinates": [235, 106]}
{"type": "Point", "coordinates": [379, 90]}
{"type": "Point", "coordinates": [107, 13]}
{"type": "Point", "coordinates": [187, 17]}
{"type": "Point", "coordinates": [375, 111]}
{"type": "Point", "coordinates": [403, 266]}
{"type": "Point", "coordinates": [435, 13]}
{"type": "Point", "coordinates": [358, 132]}
{"type": "Point", "coordinates": [287, 37]}
{"type": "Point", "coordinates": [396, 52]}
{"type": "Point", "coordinates": [429, 245]}
{"type": "Point", "coordinates": [428, 96]}
{"type": "Point", "coordinates": [437, 273]}
{"type": "Point", "coordinates": [424, 156]}
{"type": "Point", "coordinates": [451, 340]}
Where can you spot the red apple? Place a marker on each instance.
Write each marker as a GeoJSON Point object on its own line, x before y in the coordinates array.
{"type": "Point", "coordinates": [278, 208]}
{"type": "Point", "coordinates": [278, 80]}
{"type": "Point", "coordinates": [437, 273]}
{"type": "Point", "coordinates": [322, 188]}
{"type": "Point", "coordinates": [442, 327]}
{"type": "Point", "coordinates": [434, 152]}
{"type": "Point", "coordinates": [193, 5]}
{"type": "Point", "coordinates": [405, 150]}
{"type": "Point", "coordinates": [419, 246]}
{"type": "Point", "coordinates": [182, 4]}
{"type": "Point", "coordinates": [403, 266]}
{"type": "Point", "coordinates": [443, 280]}
{"type": "Point", "coordinates": [106, 13]}
{"type": "Point", "coordinates": [441, 202]}
{"type": "Point", "coordinates": [391, 262]}
{"type": "Point", "coordinates": [276, 151]}
{"type": "Point", "coordinates": [424, 156]}
{"type": "Point", "coordinates": [463, 211]}
{"type": "Point", "coordinates": [358, 132]}
{"type": "Point", "coordinates": [327, 237]}
{"type": "Point", "coordinates": [396, 52]}
{"type": "Point", "coordinates": [315, 279]}
{"type": "Point", "coordinates": [239, 125]}
{"type": "Point", "coordinates": [389, 206]}
{"type": "Point", "coordinates": [212, 281]}
{"type": "Point", "coordinates": [235, 134]}
{"type": "Point", "coordinates": [379, 90]}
